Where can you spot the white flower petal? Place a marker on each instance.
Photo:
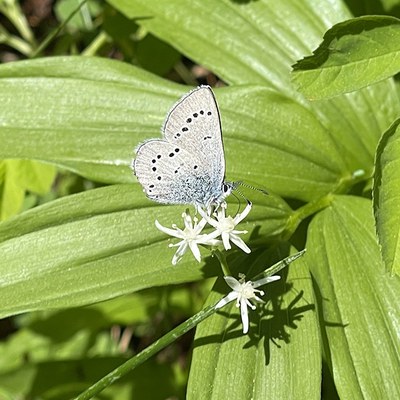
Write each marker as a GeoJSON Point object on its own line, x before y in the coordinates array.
{"type": "Point", "coordinates": [225, 240]}
{"type": "Point", "coordinates": [240, 243]}
{"type": "Point", "coordinates": [168, 231]}
{"type": "Point", "coordinates": [195, 250]}
{"type": "Point", "coordinates": [227, 299]}
{"type": "Point", "coordinates": [233, 283]}
{"type": "Point", "coordinates": [265, 280]}
{"type": "Point", "coordinates": [240, 217]}
{"type": "Point", "coordinates": [211, 236]}
{"type": "Point", "coordinates": [200, 226]}
{"type": "Point", "coordinates": [208, 219]}
{"type": "Point", "coordinates": [245, 316]}
{"type": "Point", "coordinates": [180, 252]}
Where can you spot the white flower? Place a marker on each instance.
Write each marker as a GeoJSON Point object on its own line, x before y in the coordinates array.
{"type": "Point", "coordinates": [190, 236]}
{"type": "Point", "coordinates": [225, 227]}
{"type": "Point", "coordinates": [243, 292]}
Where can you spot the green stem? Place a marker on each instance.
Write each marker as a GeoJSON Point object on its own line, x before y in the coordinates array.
{"type": "Point", "coordinates": [311, 208]}
{"type": "Point", "coordinates": [279, 265]}
{"type": "Point", "coordinates": [222, 260]}
{"type": "Point", "coordinates": [96, 44]}
{"type": "Point", "coordinates": [185, 74]}
{"type": "Point", "coordinates": [13, 12]}
{"type": "Point", "coordinates": [144, 355]}
{"type": "Point", "coordinates": [303, 212]}
{"type": "Point", "coordinates": [17, 44]}
{"type": "Point", "coordinates": [350, 180]}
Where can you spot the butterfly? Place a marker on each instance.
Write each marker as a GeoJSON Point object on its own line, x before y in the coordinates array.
{"type": "Point", "coordinates": [186, 166]}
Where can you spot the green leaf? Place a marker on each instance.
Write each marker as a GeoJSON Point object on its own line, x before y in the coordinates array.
{"type": "Point", "coordinates": [18, 176]}
{"type": "Point", "coordinates": [101, 244]}
{"type": "Point", "coordinates": [227, 364]}
{"type": "Point", "coordinates": [218, 35]}
{"type": "Point", "coordinates": [34, 176]}
{"type": "Point", "coordinates": [354, 54]}
{"type": "Point", "coordinates": [358, 301]}
{"type": "Point", "coordinates": [11, 193]}
{"type": "Point", "coordinates": [155, 55]}
{"type": "Point", "coordinates": [83, 20]}
{"type": "Point", "coordinates": [386, 192]}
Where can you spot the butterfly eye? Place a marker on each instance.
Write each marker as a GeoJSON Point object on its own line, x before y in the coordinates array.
{"type": "Point", "coordinates": [225, 187]}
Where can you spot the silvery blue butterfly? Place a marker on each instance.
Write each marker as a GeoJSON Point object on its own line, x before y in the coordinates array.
{"type": "Point", "coordinates": [187, 166]}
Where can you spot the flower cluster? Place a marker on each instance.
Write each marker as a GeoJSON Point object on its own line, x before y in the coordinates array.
{"type": "Point", "coordinates": [191, 235]}
{"type": "Point", "coordinates": [225, 232]}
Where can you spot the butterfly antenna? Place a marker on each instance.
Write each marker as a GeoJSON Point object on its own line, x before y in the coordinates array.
{"type": "Point", "coordinates": [246, 185]}
{"type": "Point", "coordinates": [235, 188]}
{"type": "Point", "coordinates": [238, 199]}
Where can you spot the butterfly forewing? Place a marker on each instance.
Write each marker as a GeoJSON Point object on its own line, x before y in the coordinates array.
{"type": "Point", "coordinates": [188, 166]}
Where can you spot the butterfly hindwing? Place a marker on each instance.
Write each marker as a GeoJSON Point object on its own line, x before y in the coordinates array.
{"type": "Point", "coordinates": [170, 174]}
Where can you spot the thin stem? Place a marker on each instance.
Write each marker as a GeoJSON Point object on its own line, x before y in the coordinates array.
{"type": "Point", "coordinates": [53, 34]}
{"type": "Point", "coordinates": [222, 260]}
{"type": "Point", "coordinates": [13, 12]}
{"type": "Point", "coordinates": [348, 181]}
{"type": "Point", "coordinates": [311, 208]}
{"type": "Point", "coordinates": [96, 44]}
{"type": "Point", "coordinates": [144, 355]}
{"type": "Point", "coordinates": [16, 43]}
{"type": "Point", "coordinates": [185, 74]}
{"type": "Point", "coordinates": [279, 265]}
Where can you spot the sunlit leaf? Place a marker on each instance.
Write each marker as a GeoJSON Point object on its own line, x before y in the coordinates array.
{"type": "Point", "coordinates": [354, 54]}
{"type": "Point", "coordinates": [358, 301]}
{"type": "Point", "coordinates": [19, 176]}
{"type": "Point", "coordinates": [386, 193]}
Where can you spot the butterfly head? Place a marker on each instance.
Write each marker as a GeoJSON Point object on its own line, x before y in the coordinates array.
{"type": "Point", "coordinates": [219, 198]}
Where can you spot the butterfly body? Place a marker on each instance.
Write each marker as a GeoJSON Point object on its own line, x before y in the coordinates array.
{"type": "Point", "coordinates": [187, 166]}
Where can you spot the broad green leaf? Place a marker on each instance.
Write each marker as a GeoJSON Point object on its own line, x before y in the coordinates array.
{"type": "Point", "coordinates": [283, 333]}
{"type": "Point", "coordinates": [354, 54]}
{"type": "Point", "coordinates": [254, 42]}
{"type": "Point", "coordinates": [34, 176]}
{"type": "Point", "coordinates": [358, 301]}
{"type": "Point", "coordinates": [19, 176]}
{"type": "Point", "coordinates": [108, 108]}
{"type": "Point", "coordinates": [101, 244]}
{"type": "Point", "coordinates": [386, 192]}
{"type": "Point", "coordinates": [357, 120]}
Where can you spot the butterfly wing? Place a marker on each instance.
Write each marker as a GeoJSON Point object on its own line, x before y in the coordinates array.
{"type": "Point", "coordinates": [188, 166]}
